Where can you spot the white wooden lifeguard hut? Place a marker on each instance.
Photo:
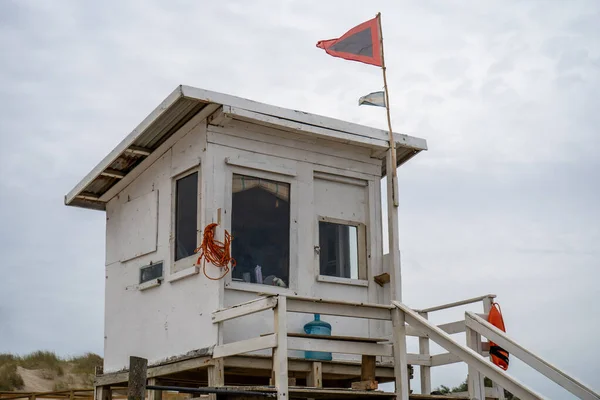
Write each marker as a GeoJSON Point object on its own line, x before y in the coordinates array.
{"type": "Point", "coordinates": [300, 194]}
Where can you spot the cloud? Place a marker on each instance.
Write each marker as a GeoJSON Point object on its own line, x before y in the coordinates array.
{"type": "Point", "coordinates": [504, 201]}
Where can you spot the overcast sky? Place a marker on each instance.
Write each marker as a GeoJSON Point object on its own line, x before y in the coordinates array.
{"type": "Point", "coordinates": [506, 200]}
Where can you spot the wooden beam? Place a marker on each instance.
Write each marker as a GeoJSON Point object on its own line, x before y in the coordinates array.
{"type": "Point", "coordinates": [154, 394]}
{"type": "Point", "coordinates": [324, 307]}
{"type": "Point", "coordinates": [315, 376]}
{"type": "Point", "coordinates": [248, 308]}
{"type": "Point", "coordinates": [216, 376]}
{"type": "Point", "coordinates": [245, 346]}
{"type": "Point", "coordinates": [280, 355]}
{"type": "Point", "coordinates": [425, 370]}
{"type": "Point", "coordinates": [338, 346]}
{"type": "Point", "coordinates": [457, 303]}
{"type": "Point", "coordinates": [141, 151]}
{"type": "Point", "coordinates": [113, 173]}
{"type": "Point", "coordinates": [138, 368]}
{"type": "Point", "coordinates": [400, 356]}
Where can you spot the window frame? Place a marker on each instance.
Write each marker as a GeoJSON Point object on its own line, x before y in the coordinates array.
{"type": "Point", "coordinates": [361, 244]}
{"type": "Point", "coordinates": [293, 238]}
{"type": "Point", "coordinates": [187, 262]}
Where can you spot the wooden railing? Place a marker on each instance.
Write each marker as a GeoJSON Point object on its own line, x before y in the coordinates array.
{"type": "Point", "coordinates": [405, 322]}
{"type": "Point", "coordinates": [477, 327]}
{"type": "Point", "coordinates": [449, 328]}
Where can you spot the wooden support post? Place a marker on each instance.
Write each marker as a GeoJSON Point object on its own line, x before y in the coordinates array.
{"type": "Point", "coordinates": [425, 370]}
{"type": "Point", "coordinates": [216, 375]}
{"type": "Point", "coordinates": [155, 394]}
{"type": "Point", "coordinates": [496, 389]}
{"type": "Point", "coordinates": [400, 356]}
{"type": "Point", "coordinates": [102, 393]}
{"type": "Point", "coordinates": [475, 378]}
{"type": "Point", "coordinates": [138, 368]}
{"type": "Point", "coordinates": [367, 374]}
{"type": "Point", "coordinates": [280, 356]}
{"type": "Point", "coordinates": [71, 395]}
{"type": "Point", "coordinates": [315, 376]}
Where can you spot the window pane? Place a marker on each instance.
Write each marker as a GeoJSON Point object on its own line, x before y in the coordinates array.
{"type": "Point", "coordinates": [150, 272]}
{"type": "Point", "coordinates": [186, 216]}
{"type": "Point", "coordinates": [338, 255]}
{"type": "Point", "coordinates": [260, 226]}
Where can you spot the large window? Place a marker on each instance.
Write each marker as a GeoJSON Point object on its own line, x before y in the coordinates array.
{"type": "Point", "coordinates": [338, 250]}
{"type": "Point", "coordinates": [186, 215]}
{"type": "Point", "coordinates": [260, 226]}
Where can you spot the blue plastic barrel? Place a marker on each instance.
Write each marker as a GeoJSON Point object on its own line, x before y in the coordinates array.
{"type": "Point", "coordinates": [317, 327]}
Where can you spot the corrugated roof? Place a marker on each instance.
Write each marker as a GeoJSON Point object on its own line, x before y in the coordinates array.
{"type": "Point", "coordinates": [186, 102]}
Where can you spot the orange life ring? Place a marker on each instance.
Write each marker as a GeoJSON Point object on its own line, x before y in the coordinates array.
{"type": "Point", "coordinates": [498, 354]}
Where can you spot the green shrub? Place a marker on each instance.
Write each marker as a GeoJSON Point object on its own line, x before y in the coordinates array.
{"type": "Point", "coordinates": [10, 378]}
{"type": "Point", "coordinates": [43, 360]}
{"type": "Point", "coordinates": [86, 364]}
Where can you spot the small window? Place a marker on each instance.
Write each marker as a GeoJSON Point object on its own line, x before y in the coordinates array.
{"type": "Point", "coordinates": [338, 250]}
{"type": "Point", "coordinates": [186, 216]}
{"type": "Point", "coordinates": [150, 272]}
{"type": "Point", "coordinates": [260, 226]}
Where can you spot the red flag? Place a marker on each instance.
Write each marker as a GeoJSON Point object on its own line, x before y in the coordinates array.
{"type": "Point", "coordinates": [361, 43]}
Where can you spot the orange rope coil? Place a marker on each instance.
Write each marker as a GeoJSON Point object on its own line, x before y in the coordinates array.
{"type": "Point", "coordinates": [216, 252]}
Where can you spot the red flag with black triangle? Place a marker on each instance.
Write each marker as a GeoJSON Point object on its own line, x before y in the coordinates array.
{"type": "Point", "coordinates": [361, 43]}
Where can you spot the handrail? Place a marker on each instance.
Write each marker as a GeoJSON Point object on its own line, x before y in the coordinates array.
{"type": "Point", "coordinates": [494, 334]}
{"type": "Point", "coordinates": [456, 303]}
{"type": "Point", "coordinates": [469, 356]}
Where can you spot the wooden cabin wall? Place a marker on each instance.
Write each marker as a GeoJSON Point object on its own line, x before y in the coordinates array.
{"type": "Point", "coordinates": [265, 152]}
{"type": "Point", "coordinates": [175, 317]}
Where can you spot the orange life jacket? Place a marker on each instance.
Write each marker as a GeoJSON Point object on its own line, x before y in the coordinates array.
{"type": "Point", "coordinates": [498, 354]}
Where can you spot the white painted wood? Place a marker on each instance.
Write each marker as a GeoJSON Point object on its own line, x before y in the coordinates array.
{"type": "Point", "coordinates": [150, 284]}
{"type": "Point", "coordinates": [298, 127]}
{"type": "Point", "coordinates": [112, 173]}
{"type": "Point", "coordinates": [468, 355]}
{"type": "Point", "coordinates": [138, 226]}
{"type": "Point", "coordinates": [245, 309]}
{"type": "Point", "coordinates": [550, 371]}
{"type": "Point", "coordinates": [283, 167]}
{"type": "Point", "coordinates": [339, 309]}
{"type": "Point", "coordinates": [245, 346]}
{"type": "Point", "coordinates": [199, 118]}
{"type": "Point", "coordinates": [498, 391]}
{"type": "Point", "coordinates": [343, 281]}
{"type": "Point", "coordinates": [299, 116]}
{"type": "Point", "coordinates": [280, 355]}
{"type": "Point", "coordinates": [419, 359]}
{"type": "Point", "coordinates": [457, 303]}
{"type": "Point", "coordinates": [475, 378]}
{"type": "Point", "coordinates": [340, 178]}
{"type": "Point", "coordinates": [174, 277]}
{"type": "Point", "coordinates": [339, 346]}
{"type": "Point", "coordinates": [287, 139]}
{"type": "Point", "coordinates": [444, 359]}
{"type": "Point", "coordinates": [400, 356]}
{"type": "Point", "coordinates": [248, 145]}
{"type": "Point", "coordinates": [393, 235]}
{"type": "Point", "coordinates": [425, 371]}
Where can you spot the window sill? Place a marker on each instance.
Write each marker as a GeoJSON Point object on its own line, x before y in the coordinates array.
{"type": "Point", "coordinates": [258, 288]}
{"type": "Point", "coordinates": [343, 281]}
{"type": "Point", "coordinates": [184, 273]}
{"type": "Point", "coordinates": [150, 284]}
